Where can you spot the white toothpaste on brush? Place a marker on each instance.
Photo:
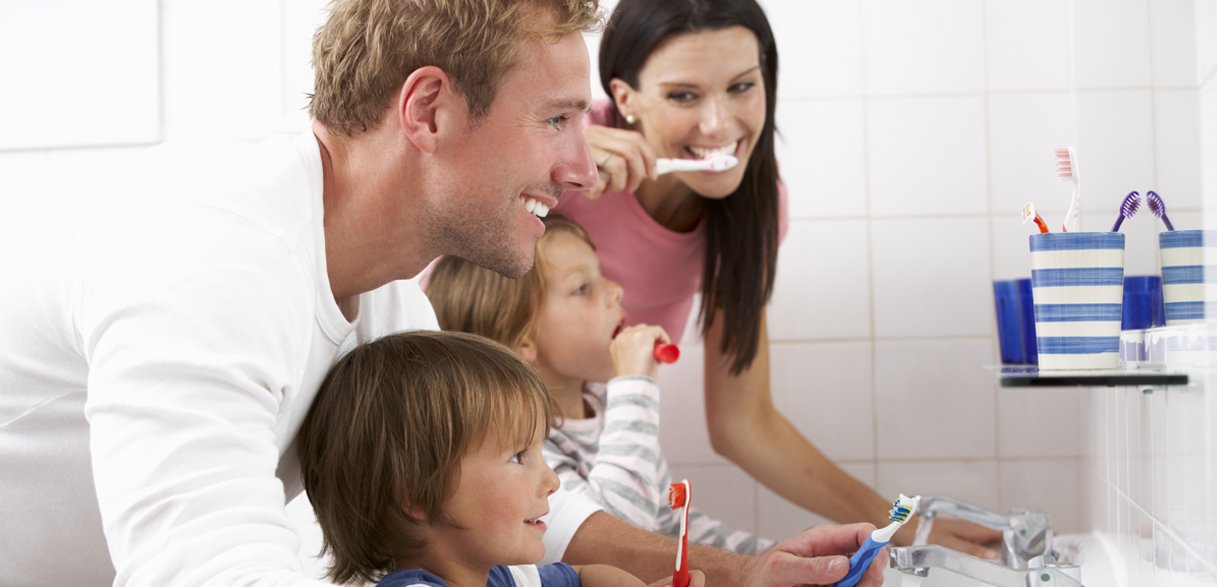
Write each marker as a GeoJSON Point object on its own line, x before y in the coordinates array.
{"type": "Point", "coordinates": [714, 163]}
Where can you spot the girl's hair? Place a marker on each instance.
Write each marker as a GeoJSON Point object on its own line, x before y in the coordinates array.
{"type": "Point", "coordinates": [741, 230]}
{"type": "Point", "coordinates": [469, 298]}
{"type": "Point", "coordinates": [387, 432]}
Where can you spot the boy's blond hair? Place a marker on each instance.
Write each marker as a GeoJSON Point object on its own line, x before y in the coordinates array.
{"type": "Point", "coordinates": [387, 432]}
{"type": "Point", "coordinates": [468, 298]}
{"type": "Point", "coordinates": [367, 49]}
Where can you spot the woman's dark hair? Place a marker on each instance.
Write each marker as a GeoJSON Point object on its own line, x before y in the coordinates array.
{"type": "Point", "coordinates": [742, 229]}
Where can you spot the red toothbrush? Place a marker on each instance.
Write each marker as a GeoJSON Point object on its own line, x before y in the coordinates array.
{"type": "Point", "coordinates": [680, 495]}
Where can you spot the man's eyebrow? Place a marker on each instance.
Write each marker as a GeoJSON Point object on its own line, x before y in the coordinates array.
{"type": "Point", "coordinates": [568, 104]}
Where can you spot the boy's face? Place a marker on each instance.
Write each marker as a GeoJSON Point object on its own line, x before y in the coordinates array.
{"type": "Point", "coordinates": [500, 496]}
{"type": "Point", "coordinates": [581, 312]}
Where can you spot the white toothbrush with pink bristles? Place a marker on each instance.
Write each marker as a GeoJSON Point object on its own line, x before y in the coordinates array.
{"type": "Point", "coordinates": [714, 163]}
{"type": "Point", "coordinates": [1067, 170]}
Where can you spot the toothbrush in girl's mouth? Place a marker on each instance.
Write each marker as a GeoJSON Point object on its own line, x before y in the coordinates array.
{"type": "Point", "coordinates": [902, 509]}
{"type": "Point", "coordinates": [1158, 208]}
{"type": "Point", "coordinates": [680, 496]}
{"type": "Point", "coordinates": [720, 162]}
{"type": "Point", "coordinates": [1067, 170]}
{"type": "Point", "coordinates": [664, 352]}
{"type": "Point", "coordinates": [1130, 205]}
{"type": "Point", "coordinates": [1029, 214]}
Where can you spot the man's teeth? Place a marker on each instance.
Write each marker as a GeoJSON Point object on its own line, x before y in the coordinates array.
{"type": "Point", "coordinates": [715, 152]}
{"type": "Point", "coordinates": [535, 207]}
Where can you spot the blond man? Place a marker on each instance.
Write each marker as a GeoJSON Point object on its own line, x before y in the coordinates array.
{"type": "Point", "coordinates": [162, 340]}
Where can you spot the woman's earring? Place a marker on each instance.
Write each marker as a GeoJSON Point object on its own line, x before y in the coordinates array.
{"type": "Point", "coordinates": [629, 119]}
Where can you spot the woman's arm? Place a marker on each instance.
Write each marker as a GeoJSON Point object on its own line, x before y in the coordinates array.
{"type": "Point", "coordinates": [746, 427]}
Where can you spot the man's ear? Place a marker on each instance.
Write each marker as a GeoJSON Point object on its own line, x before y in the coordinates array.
{"type": "Point", "coordinates": [427, 105]}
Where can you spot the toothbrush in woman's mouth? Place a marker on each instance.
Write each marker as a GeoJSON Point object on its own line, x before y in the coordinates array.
{"type": "Point", "coordinates": [716, 160]}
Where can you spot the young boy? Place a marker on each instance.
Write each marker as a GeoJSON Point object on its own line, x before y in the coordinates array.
{"type": "Point", "coordinates": [422, 458]}
{"type": "Point", "coordinates": [565, 318]}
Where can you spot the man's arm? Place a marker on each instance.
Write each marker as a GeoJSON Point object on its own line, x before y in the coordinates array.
{"type": "Point", "coordinates": [815, 557]}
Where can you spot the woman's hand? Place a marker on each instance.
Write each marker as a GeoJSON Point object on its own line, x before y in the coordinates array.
{"type": "Point", "coordinates": [623, 159]}
{"type": "Point", "coordinates": [633, 350]}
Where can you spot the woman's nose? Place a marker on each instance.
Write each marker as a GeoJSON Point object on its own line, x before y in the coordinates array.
{"type": "Point", "coordinates": [712, 116]}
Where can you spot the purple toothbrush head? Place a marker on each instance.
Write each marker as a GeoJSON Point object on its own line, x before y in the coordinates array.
{"type": "Point", "coordinates": [1158, 208]}
{"type": "Point", "coordinates": [1130, 205]}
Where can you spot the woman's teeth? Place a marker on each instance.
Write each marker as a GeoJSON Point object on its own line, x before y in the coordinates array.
{"type": "Point", "coordinates": [535, 207]}
{"type": "Point", "coordinates": [703, 153]}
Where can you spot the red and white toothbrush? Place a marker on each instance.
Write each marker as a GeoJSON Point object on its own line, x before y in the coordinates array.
{"type": "Point", "coordinates": [680, 495]}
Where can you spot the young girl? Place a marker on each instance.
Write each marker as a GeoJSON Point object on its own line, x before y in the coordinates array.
{"type": "Point", "coordinates": [422, 458]}
{"type": "Point", "coordinates": [566, 319]}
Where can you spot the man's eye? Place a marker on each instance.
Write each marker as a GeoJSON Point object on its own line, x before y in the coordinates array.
{"type": "Point", "coordinates": [557, 121]}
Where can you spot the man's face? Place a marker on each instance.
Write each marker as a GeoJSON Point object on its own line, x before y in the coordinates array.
{"type": "Point", "coordinates": [513, 163]}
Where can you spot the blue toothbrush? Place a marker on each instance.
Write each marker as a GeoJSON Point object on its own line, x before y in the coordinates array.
{"type": "Point", "coordinates": [902, 509]}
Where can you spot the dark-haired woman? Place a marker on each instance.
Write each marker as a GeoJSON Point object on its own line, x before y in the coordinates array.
{"type": "Point", "coordinates": [693, 79]}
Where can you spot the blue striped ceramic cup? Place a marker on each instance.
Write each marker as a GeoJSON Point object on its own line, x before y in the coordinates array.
{"type": "Point", "coordinates": [1189, 275]}
{"type": "Point", "coordinates": [1077, 282]}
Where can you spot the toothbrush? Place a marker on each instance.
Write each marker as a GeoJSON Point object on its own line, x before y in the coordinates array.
{"type": "Point", "coordinates": [1158, 208]}
{"type": "Point", "coordinates": [713, 163]}
{"type": "Point", "coordinates": [666, 352]}
{"type": "Point", "coordinates": [1067, 169]}
{"type": "Point", "coordinates": [680, 495]}
{"type": "Point", "coordinates": [902, 509]}
{"type": "Point", "coordinates": [1130, 205]}
{"type": "Point", "coordinates": [1029, 213]}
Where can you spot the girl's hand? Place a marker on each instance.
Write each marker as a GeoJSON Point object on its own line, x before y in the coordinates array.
{"type": "Point", "coordinates": [607, 576]}
{"type": "Point", "coordinates": [622, 157]}
{"type": "Point", "coordinates": [696, 579]}
{"type": "Point", "coordinates": [633, 350]}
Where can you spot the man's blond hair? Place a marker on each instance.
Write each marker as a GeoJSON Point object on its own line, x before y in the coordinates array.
{"type": "Point", "coordinates": [367, 49]}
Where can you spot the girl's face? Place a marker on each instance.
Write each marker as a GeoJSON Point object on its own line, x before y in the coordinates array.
{"type": "Point", "coordinates": [581, 312]}
{"type": "Point", "coordinates": [701, 94]}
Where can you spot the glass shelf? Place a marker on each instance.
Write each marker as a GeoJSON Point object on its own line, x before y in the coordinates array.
{"type": "Point", "coordinates": [1030, 376]}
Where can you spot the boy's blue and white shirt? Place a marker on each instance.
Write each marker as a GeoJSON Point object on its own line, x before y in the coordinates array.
{"type": "Point", "coordinates": [555, 575]}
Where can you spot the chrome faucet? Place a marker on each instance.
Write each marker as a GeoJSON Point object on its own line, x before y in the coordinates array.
{"type": "Point", "coordinates": [919, 560]}
{"type": "Point", "coordinates": [1026, 534]}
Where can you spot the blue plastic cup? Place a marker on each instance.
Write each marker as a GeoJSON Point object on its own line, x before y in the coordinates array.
{"type": "Point", "coordinates": [1143, 304]}
{"type": "Point", "coordinates": [1015, 321]}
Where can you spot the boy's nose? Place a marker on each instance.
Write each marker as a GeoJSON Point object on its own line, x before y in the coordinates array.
{"type": "Point", "coordinates": [552, 482]}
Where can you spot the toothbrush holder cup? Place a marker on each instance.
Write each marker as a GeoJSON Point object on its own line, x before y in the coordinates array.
{"type": "Point", "coordinates": [1015, 322]}
{"type": "Point", "coordinates": [1077, 281]}
{"type": "Point", "coordinates": [1189, 275]}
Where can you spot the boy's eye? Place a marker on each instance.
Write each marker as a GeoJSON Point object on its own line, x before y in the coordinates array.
{"type": "Point", "coordinates": [582, 289]}
{"type": "Point", "coordinates": [518, 458]}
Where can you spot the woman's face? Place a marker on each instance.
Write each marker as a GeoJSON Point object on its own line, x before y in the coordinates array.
{"type": "Point", "coordinates": [701, 94]}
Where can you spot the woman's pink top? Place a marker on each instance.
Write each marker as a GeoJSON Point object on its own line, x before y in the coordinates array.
{"type": "Point", "coordinates": [659, 269]}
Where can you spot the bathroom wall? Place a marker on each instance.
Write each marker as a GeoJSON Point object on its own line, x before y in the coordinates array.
{"type": "Point", "coordinates": [911, 135]}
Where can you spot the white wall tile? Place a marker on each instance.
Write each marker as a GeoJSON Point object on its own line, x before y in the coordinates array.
{"type": "Point", "coordinates": [819, 47]}
{"type": "Point", "coordinates": [1035, 422]}
{"type": "Point", "coordinates": [779, 519]}
{"type": "Point", "coordinates": [1027, 44]}
{"type": "Point", "coordinates": [927, 156]}
{"type": "Point", "coordinates": [825, 391]}
{"type": "Point", "coordinates": [1025, 130]}
{"type": "Point", "coordinates": [1206, 40]}
{"type": "Point", "coordinates": [1011, 247]}
{"type": "Point", "coordinates": [722, 492]}
{"type": "Point", "coordinates": [682, 410]}
{"type": "Point", "coordinates": [1177, 142]}
{"type": "Point", "coordinates": [1111, 43]}
{"type": "Point", "coordinates": [1115, 151]}
{"type": "Point", "coordinates": [823, 287]}
{"type": "Point", "coordinates": [822, 153]}
{"type": "Point", "coordinates": [935, 400]}
{"type": "Point", "coordinates": [971, 481]}
{"type": "Point", "coordinates": [1049, 486]}
{"type": "Point", "coordinates": [1208, 145]}
{"type": "Point", "coordinates": [932, 46]}
{"type": "Point", "coordinates": [240, 78]}
{"type": "Point", "coordinates": [932, 278]}
{"type": "Point", "coordinates": [25, 176]}
{"type": "Point", "coordinates": [1173, 42]}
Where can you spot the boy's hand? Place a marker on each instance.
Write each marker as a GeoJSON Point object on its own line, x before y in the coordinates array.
{"type": "Point", "coordinates": [610, 576]}
{"type": "Point", "coordinates": [696, 579]}
{"type": "Point", "coordinates": [633, 350]}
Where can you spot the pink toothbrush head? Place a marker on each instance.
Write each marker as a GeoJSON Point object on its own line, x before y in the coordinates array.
{"type": "Point", "coordinates": [714, 163]}
{"type": "Point", "coordinates": [1067, 170]}
{"type": "Point", "coordinates": [1130, 205]}
{"type": "Point", "coordinates": [1158, 208]}
{"type": "Point", "coordinates": [722, 162]}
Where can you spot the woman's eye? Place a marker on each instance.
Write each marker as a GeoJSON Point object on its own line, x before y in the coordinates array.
{"type": "Point", "coordinates": [681, 97]}
{"type": "Point", "coordinates": [742, 87]}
